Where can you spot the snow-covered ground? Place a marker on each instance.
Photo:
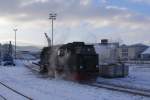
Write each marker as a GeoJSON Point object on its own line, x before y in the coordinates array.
{"type": "Point", "coordinates": [139, 77]}
{"type": "Point", "coordinates": [32, 85]}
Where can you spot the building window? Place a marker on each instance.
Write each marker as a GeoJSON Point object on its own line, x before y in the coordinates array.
{"type": "Point", "coordinates": [124, 50]}
{"type": "Point", "coordinates": [124, 54]}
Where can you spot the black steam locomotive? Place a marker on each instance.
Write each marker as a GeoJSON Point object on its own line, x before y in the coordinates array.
{"type": "Point", "coordinates": [73, 61]}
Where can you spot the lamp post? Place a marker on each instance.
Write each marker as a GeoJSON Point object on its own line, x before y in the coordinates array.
{"type": "Point", "coordinates": [52, 17]}
{"type": "Point", "coordinates": [15, 30]}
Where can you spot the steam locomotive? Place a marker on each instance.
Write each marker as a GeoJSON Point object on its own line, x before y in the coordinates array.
{"type": "Point", "coordinates": [72, 61]}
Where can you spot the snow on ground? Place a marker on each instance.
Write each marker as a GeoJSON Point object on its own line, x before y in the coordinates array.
{"type": "Point", "coordinates": [30, 84]}
{"type": "Point", "coordinates": [139, 77]}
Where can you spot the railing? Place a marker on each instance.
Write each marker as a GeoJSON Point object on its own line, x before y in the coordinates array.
{"type": "Point", "coordinates": [137, 62]}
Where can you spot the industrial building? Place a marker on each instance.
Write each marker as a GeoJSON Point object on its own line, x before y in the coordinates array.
{"type": "Point", "coordinates": [107, 52]}
{"type": "Point", "coordinates": [109, 64]}
{"type": "Point", "coordinates": [131, 52]}
{"type": "Point", "coordinates": [146, 54]}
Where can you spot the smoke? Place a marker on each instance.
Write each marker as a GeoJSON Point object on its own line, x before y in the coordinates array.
{"type": "Point", "coordinates": [69, 34]}
{"type": "Point", "coordinates": [52, 61]}
{"type": "Point", "coordinates": [58, 67]}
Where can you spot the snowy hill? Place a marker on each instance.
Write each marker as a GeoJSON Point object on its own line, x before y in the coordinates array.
{"type": "Point", "coordinates": [29, 48]}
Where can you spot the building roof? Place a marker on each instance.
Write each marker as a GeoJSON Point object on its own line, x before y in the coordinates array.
{"type": "Point", "coordinates": [138, 45]}
{"type": "Point", "coordinates": [123, 45]}
{"type": "Point", "coordinates": [147, 51]}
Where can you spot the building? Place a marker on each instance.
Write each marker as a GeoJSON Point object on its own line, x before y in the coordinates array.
{"type": "Point", "coordinates": [131, 52]}
{"type": "Point", "coordinates": [107, 52]}
{"type": "Point", "coordinates": [146, 54]}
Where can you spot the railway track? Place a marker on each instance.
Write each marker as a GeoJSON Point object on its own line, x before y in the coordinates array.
{"type": "Point", "coordinates": [15, 91]}
{"type": "Point", "coordinates": [2, 97]}
{"type": "Point", "coordinates": [113, 87]}
{"type": "Point", "coordinates": [31, 68]}
{"type": "Point", "coordinates": [134, 91]}
{"type": "Point", "coordinates": [34, 69]}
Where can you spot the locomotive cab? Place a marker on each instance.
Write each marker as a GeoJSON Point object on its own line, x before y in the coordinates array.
{"type": "Point", "coordinates": [87, 61]}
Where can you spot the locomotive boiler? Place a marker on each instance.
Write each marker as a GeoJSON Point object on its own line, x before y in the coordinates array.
{"type": "Point", "coordinates": [72, 61]}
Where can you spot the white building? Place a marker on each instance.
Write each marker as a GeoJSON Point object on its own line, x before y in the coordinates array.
{"type": "Point", "coordinates": [146, 54]}
{"type": "Point", "coordinates": [131, 52]}
{"type": "Point", "coordinates": [107, 52]}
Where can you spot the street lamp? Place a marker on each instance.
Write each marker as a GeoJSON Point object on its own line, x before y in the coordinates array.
{"type": "Point", "coordinates": [52, 16]}
{"type": "Point", "coordinates": [15, 30]}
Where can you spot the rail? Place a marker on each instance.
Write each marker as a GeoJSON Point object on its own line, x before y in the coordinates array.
{"type": "Point", "coordinates": [120, 89]}
{"type": "Point", "coordinates": [2, 97]}
{"type": "Point", "coordinates": [15, 91]}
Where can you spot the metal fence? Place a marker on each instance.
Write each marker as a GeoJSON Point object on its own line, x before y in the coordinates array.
{"type": "Point", "coordinates": [137, 62]}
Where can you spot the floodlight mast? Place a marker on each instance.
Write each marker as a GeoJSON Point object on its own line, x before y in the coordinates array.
{"type": "Point", "coordinates": [52, 17]}
{"type": "Point", "coordinates": [15, 30]}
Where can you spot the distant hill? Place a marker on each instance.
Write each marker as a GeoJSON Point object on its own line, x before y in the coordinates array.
{"type": "Point", "coordinates": [23, 46]}
{"type": "Point", "coordinates": [29, 48]}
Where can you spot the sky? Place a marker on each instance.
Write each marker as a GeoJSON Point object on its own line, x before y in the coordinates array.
{"type": "Point", "coordinates": [124, 21]}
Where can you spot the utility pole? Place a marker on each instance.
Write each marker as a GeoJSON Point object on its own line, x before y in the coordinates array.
{"type": "Point", "coordinates": [15, 30]}
{"type": "Point", "coordinates": [52, 17]}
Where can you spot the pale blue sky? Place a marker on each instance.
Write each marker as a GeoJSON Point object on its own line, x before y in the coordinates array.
{"type": "Point", "coordinates": [127, 21]}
